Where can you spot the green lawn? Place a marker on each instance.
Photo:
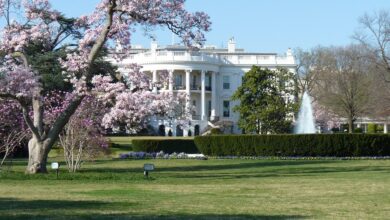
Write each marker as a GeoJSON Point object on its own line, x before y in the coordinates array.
{"type": "Point", "coordinates": [194, 189]}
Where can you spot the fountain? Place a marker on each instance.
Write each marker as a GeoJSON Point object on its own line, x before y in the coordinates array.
{"type": "Point", "coordinates": [305, 123]}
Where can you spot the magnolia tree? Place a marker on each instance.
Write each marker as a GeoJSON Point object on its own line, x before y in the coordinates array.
{"type": "Point", "coordinates": [325, 118]}
{"type": "Point", "coordinates": [83, 136]}
{"type": "Point", "coordinates": [83, 39]}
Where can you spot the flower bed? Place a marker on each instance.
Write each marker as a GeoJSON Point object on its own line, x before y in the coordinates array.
{"type": "Point", "coordinates": [160, 155]}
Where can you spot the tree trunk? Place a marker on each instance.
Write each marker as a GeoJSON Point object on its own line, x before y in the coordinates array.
{"type": "Point", "coordinates": [39, 148]}
{"type": "Point", "coordinates": [38, 152]}
{"type": "Point", "coordinates": [350, 125]}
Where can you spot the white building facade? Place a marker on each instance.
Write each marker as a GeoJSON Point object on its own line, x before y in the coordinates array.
{"type": "Point", "coordinates": [209, 77]}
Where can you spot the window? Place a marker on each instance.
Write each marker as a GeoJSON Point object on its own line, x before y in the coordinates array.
{"type": "Point", "coordinates": [226, 82]}
{"type": "Point", "coordinates": [226, 108]}
{"type": "Point", "coordinates": [208, 82]}
{"type": "Point", "coordinates": [178, 80]}
{"type": "Point", "coordinates": [194, 81]}
{"type": "Point", "coordinates": [194, 85]}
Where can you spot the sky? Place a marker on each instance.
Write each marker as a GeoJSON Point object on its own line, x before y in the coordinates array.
{"type": "Point", "coordinates": [264, 25]}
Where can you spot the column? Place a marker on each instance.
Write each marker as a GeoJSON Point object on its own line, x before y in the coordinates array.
{"type": "Point", "coordinates": [188, 80]}
{"type": "Point", "coordinates": [203, 95]}
{"type": "Point", "coordinates": [213, 95]}
{"type": "Point", "coordinates": [170, 86]}
{"type": "Point", "coordinates": [188, 87]}
{"type": "Point", "coordinates": [385, 128]}
{"type": "Point", "coordinates": [154, 81]}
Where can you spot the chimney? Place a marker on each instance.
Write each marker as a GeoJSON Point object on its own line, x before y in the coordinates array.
{"type": "Point", "coordinates": [153, 46]}
{"type": "Point", "coordinates": [289, 52]}
{"type": "Point", "coordinates": [231, 45]}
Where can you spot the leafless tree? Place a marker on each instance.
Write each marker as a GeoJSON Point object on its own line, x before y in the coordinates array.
{"type": "Point", "coordinates": [10, 142]}
{"type": "Point", "coordinates": [79, 145]}
{"type": "Point", "coordinates": [343, 81]}
{"type": "Point", "coordinates": [83, 137]}
{"type": "Point", "coordinates": [306, 77]}
{"type": "Point", "coordinates": [374, 35]}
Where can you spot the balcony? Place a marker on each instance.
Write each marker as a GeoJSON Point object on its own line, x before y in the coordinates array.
{"type": "Point", "coordinates": [180, 87]}
{"type": "Point", "coordinates": [196, 117]}
{"type": "Point", "coordinates": [198, 87]}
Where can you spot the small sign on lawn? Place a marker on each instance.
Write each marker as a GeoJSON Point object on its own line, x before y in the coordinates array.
{"type": "Point", "coordinates": [55, 166]}
{"type": "Point", "coordinates": [148, 167]}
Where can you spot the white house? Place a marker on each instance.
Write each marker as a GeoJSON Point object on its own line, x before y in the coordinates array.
{"type": "Point", "coordinates": [209, 77]}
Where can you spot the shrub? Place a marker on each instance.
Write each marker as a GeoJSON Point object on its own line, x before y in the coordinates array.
{"type": "Point", "coordinates": [371, 128]}
{"type": "Point", "coordinates": [214, 131]}
{"type": "Point", "coordinates": [358, 130]}
{"type": "Point", "coordinates": [379, 128]}
{"type": "Point", "coordinates": [166, 145]}
{"type": "Point", "coordinates": [339, 145]}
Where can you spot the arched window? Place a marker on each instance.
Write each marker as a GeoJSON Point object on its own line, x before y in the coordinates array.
{"type": "Point", "coordinates": [161, 130]}
{"type": "Point", "coordinates": [179, 131]}
{"type": "Point", "coordinates": [197, 130]}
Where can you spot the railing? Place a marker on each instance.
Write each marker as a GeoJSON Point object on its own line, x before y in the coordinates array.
{"type": "Point", "coordinates": [250, 59]}
{"type": "Point", "coordinates": [197, 87]}
{"type": "Point", "coordinates": [179, 87]}
{"type": "Point", "coordinates": [196, 117]}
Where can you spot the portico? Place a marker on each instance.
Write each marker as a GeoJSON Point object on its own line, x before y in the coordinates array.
{"type": "Point", "coordinates": [199, 86]}
{"type": "Point", "coordinates": [208, 77]}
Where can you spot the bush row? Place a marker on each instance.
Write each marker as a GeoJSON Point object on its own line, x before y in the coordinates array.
{"type": "Point", "coordinates": [167, 145]}
{"type": "Point", "coordinates": [335, 145]}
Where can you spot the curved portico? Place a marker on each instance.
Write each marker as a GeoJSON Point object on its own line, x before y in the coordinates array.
{"type": "Point", "coordinates": [208, 77]}
{"type": "Point", "coordinates": [198, 84]}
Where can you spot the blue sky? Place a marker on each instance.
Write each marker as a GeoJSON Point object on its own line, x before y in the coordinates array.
{"type": "Point", "coordinates": [265, 25]}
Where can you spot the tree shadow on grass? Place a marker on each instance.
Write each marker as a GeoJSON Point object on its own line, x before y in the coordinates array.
{"type": "Point", "coordinates": [249, 169]}
{"type": "Point", "coordinates": [16, 204]}
{"type": "Point", "coordinates": [61, 209]}
{"type": "Point", "coordinates": [307, 171]}
{"type": "Point", "coordinates": [214, 167]}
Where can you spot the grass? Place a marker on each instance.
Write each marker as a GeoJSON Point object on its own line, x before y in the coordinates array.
{"type": "Point", "coordinates": [194, 189]}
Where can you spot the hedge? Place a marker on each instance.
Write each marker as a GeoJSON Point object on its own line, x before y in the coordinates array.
{"type": "Point", "coordinates": [166, 145]}
{"type": "Point", "coordinates": [334, 145]}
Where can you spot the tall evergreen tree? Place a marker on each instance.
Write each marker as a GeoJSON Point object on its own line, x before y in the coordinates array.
{"type": "Point", "coordinates": [264, 106]}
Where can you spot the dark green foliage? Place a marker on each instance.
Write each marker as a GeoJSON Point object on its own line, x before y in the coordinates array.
{"type": "Point", "coordinates": [263, 108]}
{"type": "Point", "coordinates": [215, 131]}
{"type": "Point", "coordinates": [379, 128]}
{"type": "Point", "coordinates": [371, 128]}
{"type": "Point", "coordinates": [339, 145]}
{"type": "Point", "coordinates": [358, 130]}
{"type": "Point", "coordinates": [166, 145]}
